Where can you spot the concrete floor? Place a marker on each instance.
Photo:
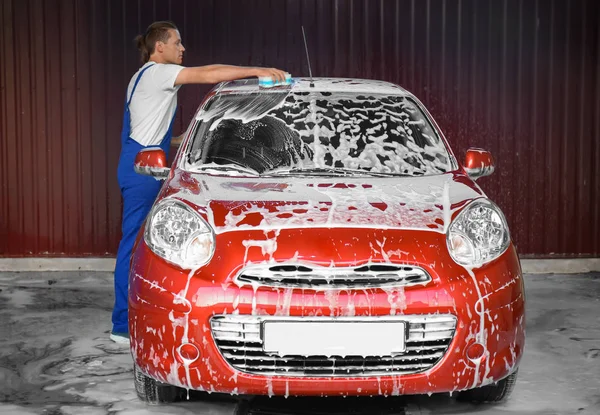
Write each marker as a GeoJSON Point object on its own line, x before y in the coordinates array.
{"type": "Point", "coordinates": [55, 356]}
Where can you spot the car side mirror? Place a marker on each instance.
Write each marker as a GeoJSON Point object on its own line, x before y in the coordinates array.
{"type": "Point", "coordinates": [151, 162]}
{"type": "Point", "coordinates": [478, 163]}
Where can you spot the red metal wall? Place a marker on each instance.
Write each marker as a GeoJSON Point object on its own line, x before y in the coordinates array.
{"type": "Point", "coordinates": [518, 77]}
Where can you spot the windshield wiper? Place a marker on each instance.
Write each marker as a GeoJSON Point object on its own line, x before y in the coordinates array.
{"type": "Point", "coordinates": [226, 168]}
{"type": "Point", "coordinates": [332, 171]}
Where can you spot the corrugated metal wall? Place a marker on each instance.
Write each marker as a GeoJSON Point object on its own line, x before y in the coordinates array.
{"type": "Point", "coordinates": [518, 77]}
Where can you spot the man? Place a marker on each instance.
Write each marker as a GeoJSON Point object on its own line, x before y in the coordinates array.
{"type": "Point", "coordinates": [147, 121]}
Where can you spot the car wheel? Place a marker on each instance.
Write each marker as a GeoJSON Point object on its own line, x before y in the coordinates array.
{"type": "Point", "coordinates": [496, 392]}
{"type": "Point", "coordinates": [154, 392]}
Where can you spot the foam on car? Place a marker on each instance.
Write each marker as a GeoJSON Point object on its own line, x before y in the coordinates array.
{"type": "Point", "coordinates": [248, 106]}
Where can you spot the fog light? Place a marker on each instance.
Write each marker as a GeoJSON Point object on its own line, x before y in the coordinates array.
{"type": "Point", "coordinates": [475, 351]}
{"type": "Point", "coordinates": [188, 352]}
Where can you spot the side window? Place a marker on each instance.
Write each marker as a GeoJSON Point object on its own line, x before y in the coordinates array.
{"type": "Point", "coordinates": [191, 131]}
{"type": "Point", "coordinates": [195, 147]}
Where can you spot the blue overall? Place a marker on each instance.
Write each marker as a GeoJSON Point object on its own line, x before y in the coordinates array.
{"type": "Point", "coordinates": [139, 193]}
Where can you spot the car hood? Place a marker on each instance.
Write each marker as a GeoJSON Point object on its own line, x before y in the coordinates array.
{"type": "Point", "coordinates": [265, 203]}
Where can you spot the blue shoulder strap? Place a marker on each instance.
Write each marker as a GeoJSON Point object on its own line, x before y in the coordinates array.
{"type": "Point", "coordinates": [136, 83]}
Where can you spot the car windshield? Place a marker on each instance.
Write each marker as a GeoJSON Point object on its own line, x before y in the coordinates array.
{"type": "Point", "coordinates": [321, 133]}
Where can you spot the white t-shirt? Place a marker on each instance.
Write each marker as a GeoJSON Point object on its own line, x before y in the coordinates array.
{"type": "Point", "coordinates": [154, 102]}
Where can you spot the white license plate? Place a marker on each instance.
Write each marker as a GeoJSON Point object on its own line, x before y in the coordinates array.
{"type": "Point", "coordinates": [339, 338]}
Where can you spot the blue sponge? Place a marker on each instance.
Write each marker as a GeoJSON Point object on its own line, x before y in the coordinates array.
{"type": "Point", "coordinates": [268, 82]}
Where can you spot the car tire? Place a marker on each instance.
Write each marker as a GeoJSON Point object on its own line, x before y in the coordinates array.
{"type": "Point", "coordinates": [154, 392]}
{"type": "Point", "coordinates": [496, 392]}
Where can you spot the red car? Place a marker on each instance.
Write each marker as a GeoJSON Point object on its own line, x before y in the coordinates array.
{"type": "Point", "coordinates": [320, 238]}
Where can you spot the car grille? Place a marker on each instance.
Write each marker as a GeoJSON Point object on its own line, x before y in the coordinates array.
{"type": "Point", "coordinates": [239, 340]}
{"type": "Point", "coordinates": [319, 277]}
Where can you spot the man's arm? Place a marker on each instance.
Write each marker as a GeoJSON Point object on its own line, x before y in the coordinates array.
{"type": "Point", "coordinates": [213, 74]}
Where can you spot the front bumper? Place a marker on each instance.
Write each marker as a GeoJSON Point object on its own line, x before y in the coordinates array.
{"type": "Point", "coordinates": [166, 313]}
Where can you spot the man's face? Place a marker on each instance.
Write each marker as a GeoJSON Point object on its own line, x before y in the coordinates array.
{"type": "Point", "coordinates": [171, 50]}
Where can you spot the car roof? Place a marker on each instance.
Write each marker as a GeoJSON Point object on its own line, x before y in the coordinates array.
{"type": "Point", "coordinates": [320, 85]}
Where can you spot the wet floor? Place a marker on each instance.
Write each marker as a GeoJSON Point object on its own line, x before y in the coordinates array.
{"type": "Point", "coordinates": [55, 357]}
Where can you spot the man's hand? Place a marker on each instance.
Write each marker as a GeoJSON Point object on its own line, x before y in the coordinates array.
{"type": "Point", "coordinates": [176, 141]}
{"type": "Point", "coordinates": [213, 74]}
{"type": "Point", "coordinates": [276, 74]}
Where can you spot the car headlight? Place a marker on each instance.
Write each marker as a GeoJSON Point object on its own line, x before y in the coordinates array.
{"type": "Point", "coordinates": [479, 234]}
{"type": "Point", "coordinates": [179, 234]}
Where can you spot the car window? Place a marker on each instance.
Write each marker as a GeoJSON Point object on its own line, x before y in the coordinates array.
{"type": "Point", "coordinates": [308, 130]}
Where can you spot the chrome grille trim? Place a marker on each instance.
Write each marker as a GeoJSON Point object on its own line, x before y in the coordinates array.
{"type": "Point", "coordinates": [312, 276]}
{"type": "Point", "coordinates": [428, 339]}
